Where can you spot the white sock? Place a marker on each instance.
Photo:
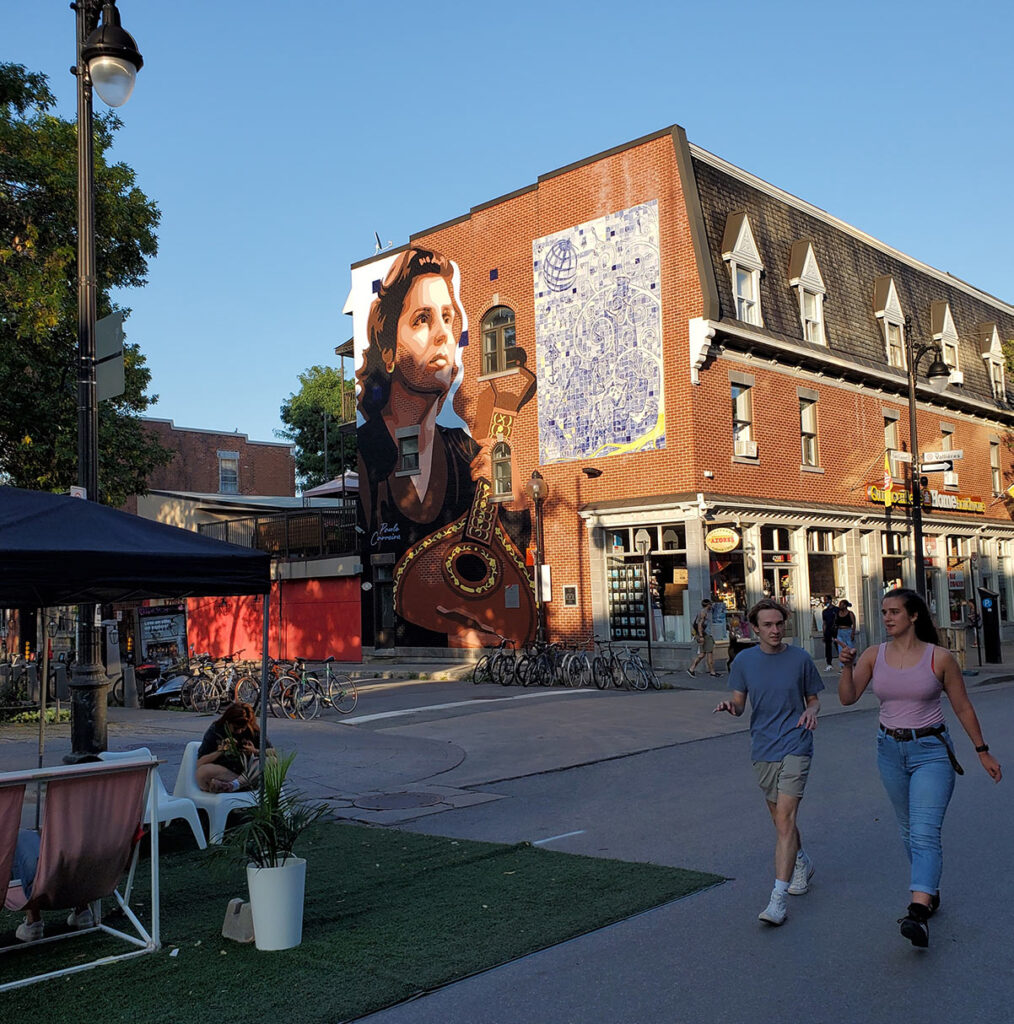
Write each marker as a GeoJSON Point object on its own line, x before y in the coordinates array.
{"type": "Point", "coordinates": [781, 886]}
{"type": "Point", "coordinates": [235, 785]}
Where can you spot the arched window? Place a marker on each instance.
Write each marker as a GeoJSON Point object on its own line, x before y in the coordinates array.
{"type": "Point", "coordinates": [501, 456]}
{"type": "Point", "coordinates": [498, 351]}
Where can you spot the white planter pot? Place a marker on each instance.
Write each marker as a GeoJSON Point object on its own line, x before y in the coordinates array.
{"type": "Point", "coordinates": [276, 901]}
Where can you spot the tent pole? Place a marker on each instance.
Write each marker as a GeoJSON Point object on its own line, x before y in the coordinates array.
{"type": "Point", "coordinates": [266, 603]}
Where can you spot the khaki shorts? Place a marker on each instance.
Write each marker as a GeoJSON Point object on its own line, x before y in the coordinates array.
{"type": "Point", "coordinates": [786, 776]}
{"type": "Point", "coordinates": [707, 645]}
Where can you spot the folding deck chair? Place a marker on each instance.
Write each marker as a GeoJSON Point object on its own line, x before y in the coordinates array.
{"type": "Point", "coordinates": [91, 823]}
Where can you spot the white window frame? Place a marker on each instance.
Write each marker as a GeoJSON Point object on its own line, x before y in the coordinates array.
{"type": "Point", "coordinates": [223, 458]}
{"type": "Point", "coordinates": [892, 316]}
{"type": "Point", "coordinates": [947, 339]}
{"type": "Point", "coordinates": [995, 469]}
{"type": "Point", "coordinates": [810, 285]}
{"type": "Point", "coordinates": [808, 435]}
{"type": "Point", "coordinates": [743, 257]}
{"type": "Point", "coordinates": [500, 456]}
{"type": "Point", "coordinates": [947, 444]}
{"type": "Point", "coordinates": [743, 442]}
{"type": "Point", "coordinates": [994, 359]}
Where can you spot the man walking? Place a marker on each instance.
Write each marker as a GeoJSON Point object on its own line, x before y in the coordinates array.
{"type": "Point", "coordinates": [829, 620]}
{"type": "Point", "coordinates": [782, 683]}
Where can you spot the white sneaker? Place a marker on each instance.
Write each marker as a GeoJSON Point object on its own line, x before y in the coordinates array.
{"type": "Point", "coordinates": [29, 932]}
{"type": "Point", "coordinates": [801, 875]}
{"type": "Point", "coordinates": [776, 911]}
{"type": "Point", "coordinates": [85, 919]}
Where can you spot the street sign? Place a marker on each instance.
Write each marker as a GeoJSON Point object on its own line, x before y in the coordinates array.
{"type": "Point", "coordinates": [944, 466]}
{"type": "Point", "coordinates": [901, 456]}
{"type": "Point", "coordinates": [952, 455]}
{"type": "Point", "coordinates": [109, 377]}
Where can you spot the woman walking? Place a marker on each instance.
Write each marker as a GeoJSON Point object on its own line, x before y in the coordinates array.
{"type": "Point", "coordinates": [914, 752]}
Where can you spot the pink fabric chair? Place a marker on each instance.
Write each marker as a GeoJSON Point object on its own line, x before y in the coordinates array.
{"type": "Point", "coordinates": [89, 828]}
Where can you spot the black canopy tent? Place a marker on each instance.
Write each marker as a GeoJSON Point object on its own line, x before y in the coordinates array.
{"type": "Point", "coordinates": [57, 550]}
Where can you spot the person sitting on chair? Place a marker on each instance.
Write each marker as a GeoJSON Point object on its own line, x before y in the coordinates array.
{"type": "Point", "coordinates": [226, 760]}
{"type": "Point", "coordinates": [26, 862]}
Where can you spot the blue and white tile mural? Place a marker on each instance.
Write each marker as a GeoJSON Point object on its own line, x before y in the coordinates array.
{"type": "Point", "coordinates": [598, 332]}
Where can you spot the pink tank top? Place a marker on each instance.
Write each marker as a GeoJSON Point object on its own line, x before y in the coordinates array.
{"type": "Point", "coordinates": [910, 697]}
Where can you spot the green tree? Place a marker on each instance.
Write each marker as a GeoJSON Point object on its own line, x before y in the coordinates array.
{"type": "Point", "coordinates": [38, 295]}
{"type": "Point", "coordinates": [319, 401]}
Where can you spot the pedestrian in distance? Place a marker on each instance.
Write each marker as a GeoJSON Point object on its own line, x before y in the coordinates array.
{"type": "Point", "coordinates": [845, 624]}
{"type": "Point", "coordinates": [782, 683]}
{"type": "Point", "coordinates": [705, 641]}
{"type": "Point", "coordinates": [915, 755]}
{"type": "Point", "coordinates": [829, 618]}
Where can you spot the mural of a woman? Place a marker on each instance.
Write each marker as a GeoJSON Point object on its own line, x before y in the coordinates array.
{"type": "Point", "coordinates": [416, 474]}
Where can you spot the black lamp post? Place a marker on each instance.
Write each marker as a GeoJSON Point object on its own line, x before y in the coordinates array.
{"type": "Point", "coordinates": [539, 490]}
{"type": "Point", "coordinates": [107, 59]}
{"type": "Point", "coordinates": [938, 374]}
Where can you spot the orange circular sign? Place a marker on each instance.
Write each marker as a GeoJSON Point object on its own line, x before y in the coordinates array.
{"type": "Point", "coordinates": [722, 539]}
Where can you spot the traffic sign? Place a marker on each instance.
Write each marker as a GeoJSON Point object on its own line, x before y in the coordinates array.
{"type": "Point", "coordinates": [952, 455]}
{"type": "Point", "coordinates": [943, 466]}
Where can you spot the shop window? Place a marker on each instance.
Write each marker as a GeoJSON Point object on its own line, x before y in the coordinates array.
{"type": "Point", "coordinates": [499, 340]}
{"type": "Point", "coordinates": [1003, 582]}
{"type": "Point", "coordinates": [824, 570]}
{"type": "Point", "coordinates": [894, 545]}
{"type": "Point", "coordinates": [958, 582]}
{"type": "Point", "coordinates": [501, 457]}
{"type": "Point", "coordinates": [808, 432]}
{"type": "Point", "coordinates": [228, 472]}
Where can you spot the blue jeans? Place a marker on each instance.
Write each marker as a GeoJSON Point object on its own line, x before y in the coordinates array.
{"type": "Point", "coordinates": [919, 779]}
{"type": "Point", "coordinates": [26, 858]}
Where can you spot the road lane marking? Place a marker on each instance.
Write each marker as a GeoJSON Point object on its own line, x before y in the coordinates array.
{"type": "Point", "coordinates": [456, 704]}
{"type": "Point", "coordinates": [563, 835]}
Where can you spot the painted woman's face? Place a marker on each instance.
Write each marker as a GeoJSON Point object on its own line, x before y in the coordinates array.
{"type": "Point", "coordinates": [425, 356]}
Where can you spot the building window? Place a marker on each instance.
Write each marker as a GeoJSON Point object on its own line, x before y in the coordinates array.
{"type": "Point", "coordinates": [808, 431]}
{"type": "Point", "coordinates": [889, 313]}
{"type": "Point", "coordinates": [945, 334]}
{"type": "Point", "coordinates": [996, 379]}
{"type": "Point", "coordinates": [739, 250]}
{"type": "Point", "coordinates": [742, 421]}
{"type": "Point", "coordinates": [498, 340]}
{"type": "Point", "coordinates": [891, 436]}
{"type": "Point", "coordinates": [408, 451]}
{"type": "Point", "coordinates": [502, 486]}
{"type": "Point", "coordinates": [994, 466]}
{"type": "Point", "coordinates": [228, 472]}
{"type": "Point", "coordinates": [805, 277]}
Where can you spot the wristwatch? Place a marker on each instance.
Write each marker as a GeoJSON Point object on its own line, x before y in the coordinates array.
{"type": "Point", "coordinates": [984, 749]}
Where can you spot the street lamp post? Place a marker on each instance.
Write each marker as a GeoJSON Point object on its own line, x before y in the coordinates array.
{"type": "Point", "coordinates": [107, 58]}
{"type": "Point", "coordinates": [938, 375]}
{"type": "Point", "coordinates": [539, 490]}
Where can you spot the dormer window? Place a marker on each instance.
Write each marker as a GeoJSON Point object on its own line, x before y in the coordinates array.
{"type": "Point", "coordinates": [892, 320]}
{"type": "Point", "coordinates": [739, 250]}
{"type": "Point", "coordinates": [992, 355]}
{"type": "Point", "coordinates": [946, 336]}
{"type": "Point", "coordinates": [805, 277]}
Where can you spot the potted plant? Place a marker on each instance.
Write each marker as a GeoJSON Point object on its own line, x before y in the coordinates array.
{"type": "Point", "coordinates": [265, 839]}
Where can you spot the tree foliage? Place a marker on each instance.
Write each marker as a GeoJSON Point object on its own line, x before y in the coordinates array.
{"type": "Point", "coordinates": [38, 295]}
{"type": "Point", "coordinates": [319, 401]}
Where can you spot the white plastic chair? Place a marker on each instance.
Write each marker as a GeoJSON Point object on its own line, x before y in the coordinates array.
{"type": "Point", "coordinates": [170, 808]}
{"type": "Point", "coordinates": [217, 806]}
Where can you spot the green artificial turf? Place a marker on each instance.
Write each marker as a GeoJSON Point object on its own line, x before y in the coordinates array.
{"type": "Point", "coordinates": [388, 914]}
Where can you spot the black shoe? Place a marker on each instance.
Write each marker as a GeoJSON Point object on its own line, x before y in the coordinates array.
{"type": "Point", "coordinates": [915, 926]}
{"type": "Point", "coordinates": [934, 903]}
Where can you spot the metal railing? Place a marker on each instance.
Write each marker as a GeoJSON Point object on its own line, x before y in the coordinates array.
{"type": "Point", "coordinates": [302, 533]}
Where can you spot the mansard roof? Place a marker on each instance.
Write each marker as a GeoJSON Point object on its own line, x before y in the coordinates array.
{"type": "Point", "coordinates": [855, 270]}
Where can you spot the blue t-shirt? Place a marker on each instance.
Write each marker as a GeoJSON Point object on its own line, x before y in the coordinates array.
{"type": "Point", "coordinates": [777, 686]}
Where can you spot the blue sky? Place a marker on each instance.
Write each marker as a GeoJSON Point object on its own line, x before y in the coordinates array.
{"type": "Point", "coordinates": [277, 137]}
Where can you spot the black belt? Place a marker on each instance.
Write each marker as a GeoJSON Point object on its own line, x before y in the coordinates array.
{"type": "Point", "coordinates": [901, 735]}
{"type": "Point", "coordinates": [913, 734]}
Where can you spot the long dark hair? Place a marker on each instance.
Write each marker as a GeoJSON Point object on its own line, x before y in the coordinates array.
{"type": "Point", "coordinates": [241, 721]}
{"type": "Point", "coordinates": [918, 611]}
{"type": "Point", "coordinates": [382, 324]}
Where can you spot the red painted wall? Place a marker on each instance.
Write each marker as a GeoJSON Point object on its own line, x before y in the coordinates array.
{"type": "Point", "coordinates": [309, 619]}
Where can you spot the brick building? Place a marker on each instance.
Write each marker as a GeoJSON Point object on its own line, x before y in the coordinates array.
{"type": "Point", "coordinates": [720, 370]}
{"type": "Point", "coordinates": [213, 462]}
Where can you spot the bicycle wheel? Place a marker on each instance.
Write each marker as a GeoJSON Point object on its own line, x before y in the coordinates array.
{"type": "Point", "coordinates": [601, 673]}
{"type": "Point", "coordinates": [634, 675]}
{"type": "Point", "coordinates": [546, 669]}
{"type": "Point", "coordinates": [481, 670]}
{"type": "Point", "coordinates": [247, 691]}
{"type": "Point", "coordinates": [116, 692]}
{"type": "Point", "coordinates": [342, 693]}
{"type": "Point", "coordinates": [306, 697]}
{"type": "Point", "coordinates": [523, 669]}
{"type": "Point", "coordinates": [579, 671]}
{"type": "Point", "coordinates": [204, 696]}
{"type": "Point", "coordinates": [280, 704]}
{"type": "Point", "coordinates": [505, 669]}
{"type": "Point", "coordinates": [653, 679]}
